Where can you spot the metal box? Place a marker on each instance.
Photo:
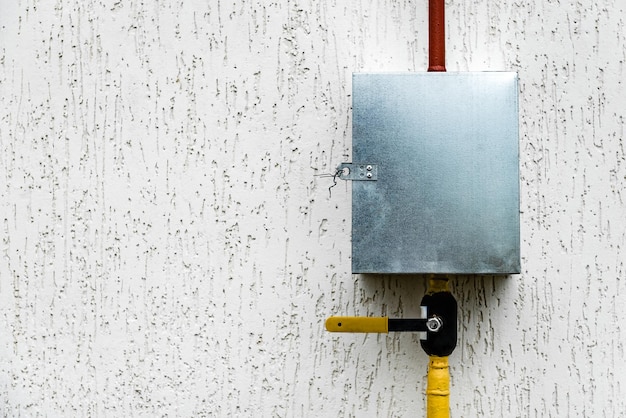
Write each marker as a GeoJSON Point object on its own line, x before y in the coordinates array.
{"type": "Point", "coordinates": [445, 198]}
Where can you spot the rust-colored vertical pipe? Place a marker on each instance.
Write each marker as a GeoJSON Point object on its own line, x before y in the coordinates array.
{"type": "Point", "coordinates": [436, 35]}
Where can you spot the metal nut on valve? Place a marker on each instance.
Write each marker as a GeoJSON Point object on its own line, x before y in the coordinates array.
{"type": "Point", "coordinates": [434, 324]}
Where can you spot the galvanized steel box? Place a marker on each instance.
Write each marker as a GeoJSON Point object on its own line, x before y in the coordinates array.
{"type": "Point", "coordinates": [446, 194]}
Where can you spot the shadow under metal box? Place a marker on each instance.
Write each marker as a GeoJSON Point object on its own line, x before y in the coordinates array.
{"type": "Point", "coordinates": [445, 195]}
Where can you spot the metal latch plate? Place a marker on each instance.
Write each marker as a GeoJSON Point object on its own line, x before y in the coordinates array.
{"type": "Point", "coordinates": [358, 171]}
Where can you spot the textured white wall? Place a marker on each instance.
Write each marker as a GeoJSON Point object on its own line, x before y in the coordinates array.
{"type": "Point", "coordinates": [166, 248]}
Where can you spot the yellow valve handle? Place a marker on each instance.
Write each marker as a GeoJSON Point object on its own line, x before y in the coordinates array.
{"type": "Point", "coordinates": [357, 324]}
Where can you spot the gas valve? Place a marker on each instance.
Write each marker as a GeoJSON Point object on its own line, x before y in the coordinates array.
{"type": "Point", "coordinates": [437, 326]}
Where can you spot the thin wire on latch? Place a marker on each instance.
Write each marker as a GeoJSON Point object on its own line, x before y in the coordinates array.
{"type": "Point", "coordinates": [334, 176]}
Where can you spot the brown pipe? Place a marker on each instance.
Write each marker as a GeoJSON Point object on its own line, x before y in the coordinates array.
{"type": "Point", "coordinates": [436, 35]}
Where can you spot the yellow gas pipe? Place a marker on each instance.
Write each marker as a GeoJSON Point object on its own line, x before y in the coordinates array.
{"type": "Point", "coordinates": [438, 380]}
{"type": "Point", "coordinates": [438, 389]}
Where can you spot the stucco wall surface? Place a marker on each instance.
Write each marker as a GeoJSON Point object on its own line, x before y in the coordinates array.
{"type": "Point", "coordinates": [168, 248]}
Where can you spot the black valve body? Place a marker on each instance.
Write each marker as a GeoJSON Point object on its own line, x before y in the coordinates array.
{"type": "Point", "coordinates": [443, 342]}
